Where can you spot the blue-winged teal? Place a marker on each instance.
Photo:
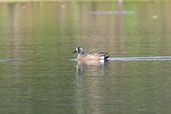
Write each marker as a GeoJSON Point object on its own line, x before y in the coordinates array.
{"type": "Point", "coordinates": [90, 55]}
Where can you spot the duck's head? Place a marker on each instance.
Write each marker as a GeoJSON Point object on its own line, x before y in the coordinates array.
{"type": "Point", "coordinates": [78, 50]}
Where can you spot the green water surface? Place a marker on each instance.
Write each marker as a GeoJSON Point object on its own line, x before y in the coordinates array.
{"type": "Point", "coordinates": [46, 81]}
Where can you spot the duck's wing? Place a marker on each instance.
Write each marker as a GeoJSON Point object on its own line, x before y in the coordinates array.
{"type": "Point", "coordinates": [103, 55]}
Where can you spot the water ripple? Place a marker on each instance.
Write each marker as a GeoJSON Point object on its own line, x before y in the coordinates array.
{"type": "Point", "coordinates": [8, 60]}
{"type": "Point", "coordinates": [111, 12]}
{"type": "Point", "coordinates": [150, 58]}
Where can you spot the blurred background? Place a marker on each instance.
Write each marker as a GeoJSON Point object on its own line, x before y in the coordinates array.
{"type": "Point", "coordinates": [37, 74]}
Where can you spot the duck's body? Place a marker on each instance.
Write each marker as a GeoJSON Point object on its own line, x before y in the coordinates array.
{"type": "Point", "coordinates": [90, 56]}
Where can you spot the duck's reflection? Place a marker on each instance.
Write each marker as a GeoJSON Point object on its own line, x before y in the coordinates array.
{"type": "Point", "coordinates": [90, 83]}
{"type": "Point", "coordinates": [90, 65]}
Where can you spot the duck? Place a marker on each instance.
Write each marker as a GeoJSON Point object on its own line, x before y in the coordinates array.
{"type": "Point", "coordinates": [90, 56]}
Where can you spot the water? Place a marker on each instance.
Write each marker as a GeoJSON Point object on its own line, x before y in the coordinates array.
{"type": "Point", "coordinates": [38, 74]}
